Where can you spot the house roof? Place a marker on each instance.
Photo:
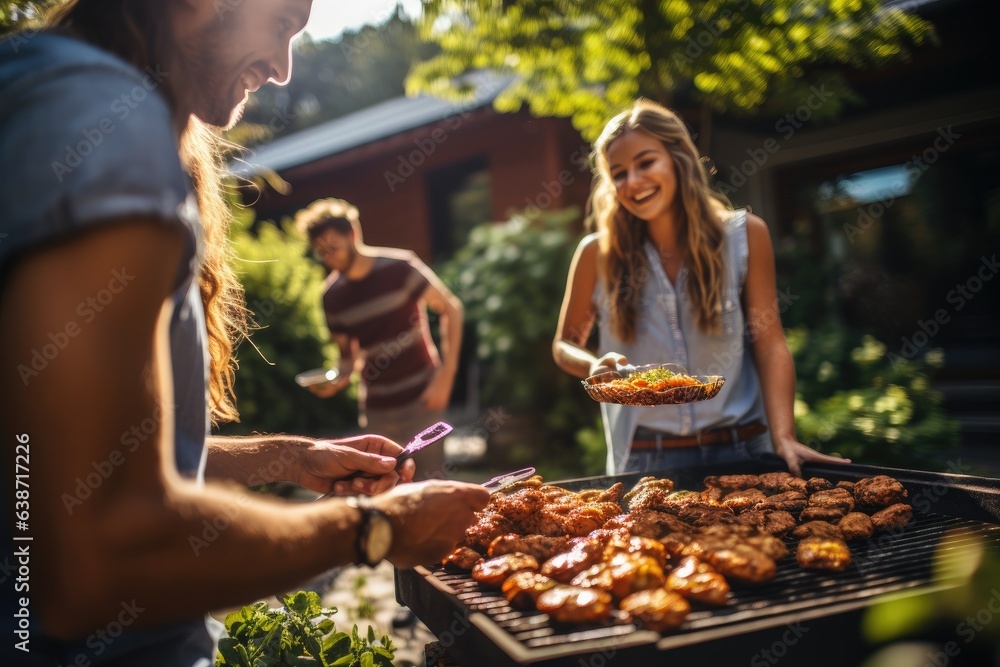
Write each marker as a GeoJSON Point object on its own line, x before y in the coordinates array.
{"type": "Point", "coordinates": [367, 125]}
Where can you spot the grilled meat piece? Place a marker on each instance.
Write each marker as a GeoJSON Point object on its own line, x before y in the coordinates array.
{"type": "Point", "coordinates": [676, 544]}
{"type": "Point", "coordinates": [596, 576]}
{"type": "Point", "coordinates": [645, 483]}
{"type": "Point", "coordinates": [740, 501]}
{"type": "Point", "coordinates": [781, 482]}
{"type": "Point", "coordinates": [787, 501]}
{"type": "Point", "coordinates": [713, 494]}
{"type": "Point", "coordinates": [706, 515]}
{"type": "Point", "coordinates": [657, 609]}
{"type": "Point", "coordinates": [632, 572]}
{"type": "Point", "coordinates": [775, 522]}
{"type": "Point", "coordinates": [563, 567]}
{"type": "Point", "coordinates": [879, 491]}
{"type": "Point", "coordinates": [542, 547]}
{"type": "Point", "coordinates": [487, 528]}
{"type": "Point", "coordinates": [697, 581]}
{"type": "Point", "coordinates": [494, 571]}
{"type": "Point", "coordinates": [740, 562]}
{"type": "Point", "coordinates": [642, 546]}
{"type": "Point", "coordinates": [839, 498]}
{"type": "Point", "coordinates": [462, 558]}
{"type": "Point", "coordinates": [523, 588]}
{"type": "Point", "coordinates": [732, 482]}
{"type": "Point", "coordinates": [856, 526]}
{"type": "Point", "coordinates": [823, 529]}
{"type": "Point", "coordinates": [814, 484]}
{"type": "Point", "coordinates": [832, 514]}
{"type": "Point", "coordinates": [820, 553]}
{"type": "Point", "coordinates": [610, 495]}
{"type": "Point", "coordinates": [517, 506]}
{"type": "Point", "coordinates": [894, 516]}
{"type": "Point", "coordinates": [770, 545]}
{"type": "Point", "coordinates": [647, 523]}
{"type": "Point", "coordinates": [572, 604]}
{"type": "Point", "coordinates": [844, 484]}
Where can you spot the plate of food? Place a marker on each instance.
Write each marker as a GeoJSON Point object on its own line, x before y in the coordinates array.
{"type": "Point", "coordinates": [652, 384]}
{"type": "Point", "coordinates": [316, 376]}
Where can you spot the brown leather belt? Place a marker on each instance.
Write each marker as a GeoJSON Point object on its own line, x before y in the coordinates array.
{"type": "Point", "coordinates": [715, 436]}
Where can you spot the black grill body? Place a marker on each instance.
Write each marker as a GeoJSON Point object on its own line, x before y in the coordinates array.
{"type": "Point", "coordinates": [799, 618]}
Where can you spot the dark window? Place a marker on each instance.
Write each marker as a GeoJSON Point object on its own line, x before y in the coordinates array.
{"type": "Point", "coordinates": [459, 196]}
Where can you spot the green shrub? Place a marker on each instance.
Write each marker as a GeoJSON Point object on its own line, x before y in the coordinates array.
{"type": "Point", "coordinates": [283, 291]}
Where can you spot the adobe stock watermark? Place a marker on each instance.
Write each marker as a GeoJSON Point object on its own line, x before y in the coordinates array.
{"type": "Point", "coordinates": [773, 654]}
{"type": "Point", "coordinates": [130, 439]}
{"type": "Point", "coordinates": [87, 310]}
{"type": "Point", "coordinates": [915, 167]}
{"type": "Point", "coordinates": [550, 191]}
{"type": "Point", "coordinates": [102, 638]}
{"type": "Point", "coordinates": [957, 297]}
{"type": "Point", "coordinates": [121, 108]}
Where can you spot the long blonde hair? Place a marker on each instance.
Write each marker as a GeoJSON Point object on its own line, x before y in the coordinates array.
{"type": "Point", "coordinates": [136, 31]}
{"type": "Point", "coordinates": [622, 262]}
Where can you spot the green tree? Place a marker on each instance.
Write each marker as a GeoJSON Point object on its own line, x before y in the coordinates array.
{"type": "Point", "coordinates": [589, 60]}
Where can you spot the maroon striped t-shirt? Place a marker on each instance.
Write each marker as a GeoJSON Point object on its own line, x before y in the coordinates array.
{"type": "Point", "coordinates": [382, 311]}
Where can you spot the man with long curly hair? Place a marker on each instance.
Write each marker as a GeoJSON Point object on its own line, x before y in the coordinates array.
{"type": "Point", "coordinates": [119, 313]}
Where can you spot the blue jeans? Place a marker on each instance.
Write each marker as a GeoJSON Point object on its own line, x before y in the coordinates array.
{"type": "Point", "coordinates": [672, 458]}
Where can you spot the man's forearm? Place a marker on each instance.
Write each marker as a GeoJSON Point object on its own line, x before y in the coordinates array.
{"type": "Point", "coordinates": [254, 460]}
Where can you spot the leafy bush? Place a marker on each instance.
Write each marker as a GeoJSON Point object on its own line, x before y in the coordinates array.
{"type": "Point", "coordinates": [852, 400]}
{"type": "Point", "coordinates": [510, 278]}
{"type": "Point", "coordinates": [283, 290]}
{"type": "Point", "coordinates": [301, 633]}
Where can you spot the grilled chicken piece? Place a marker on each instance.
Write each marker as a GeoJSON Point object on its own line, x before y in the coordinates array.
{"type": "Point", "coordinates": [542, 547]}
{"type": "Point", "coordinates": [894, 516]}
{"type": "Point", "coordinates": [706, 515]}
{"type": "Point", "coordinates": [657, 609]}
{"type": "Point", "coordinates": [661, 483]}
{"type": "Point", "coordinates": [563, 567]}
{"type": "Point", "coordinates": [814, 484]}
{"type": "Point", "coordinates": [494, 571]}
{"type": "Point", "coordinates": [523, 588]}
{"type": "Point", "coordinates": [781, 482]}
{"type": "Point", "coordinates": [647, 523]}
{"type": "Point", "coordinates": [856, 526]}
{"type": "Point", "coordinates": [611, 495]}
{"type": "Point", "coordinates": [823, 529]}
{"type": "Point", "coordinates": [774, 522]}
{"type": "Point", "coordinates": [572, 604]}
{"type": "Point", "coordinates": [768, 544]}
{"type": "Point", "coordinates": [487, 528]}
{"type": "Point", "coordinates": [839, 498]}
{"type": "Point", "coordinates": [714, 494]}
{"type": "Point", "coordinates": [462, 558]}
{"type": "Point", "coordinates": [676, 544]}
{"type": "Point", "coordinates": [697, 581]}
{"type": "Point", "coordinates": [788, 501]}
{"type": "Point", "coordinates": [740, 501]}
{"type": "Point", "coordinates": [596, 576]}
{"type": "Point", "coordinates": [517, 506]}
{"type": "Point", "coordinates": [879, 491]}
{"type": "Point", "coordinates": [642, 546]}
{"type": "Point", "coordinates": [828, 513]}
{"type": "Point", "coordinates": [844, 484]}
{"type": "Point", "coordinates": [632, 572]}
{"type": "Point", "coordinates": [732, 482]}
{"type": "Point", "coordinates": [738, 561]}
{"type": "Point", "coordinates": [820, 553]}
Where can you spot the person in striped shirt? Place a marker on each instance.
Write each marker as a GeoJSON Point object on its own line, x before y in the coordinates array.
{"type": "Point", "coordinates": [376, 301]}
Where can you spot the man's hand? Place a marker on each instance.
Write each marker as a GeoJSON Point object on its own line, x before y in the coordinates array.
{"type": "Point", "coordinates": [328, 389]}
{"type": "Point", "coordinates": [438, 392]}
{"type": "Point", "coordinates": [323, 462]}
{"type": "Point", "coordinates": [795, 454]}
{"type": "Point", "coordinates": [429, 518]}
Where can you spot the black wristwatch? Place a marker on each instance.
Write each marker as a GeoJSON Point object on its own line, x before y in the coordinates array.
{"type": "Point", "coordinates": [374, 539]}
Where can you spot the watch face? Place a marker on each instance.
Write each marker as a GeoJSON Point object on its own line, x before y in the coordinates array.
{"type": "Point", "coordinates": [379, 538]}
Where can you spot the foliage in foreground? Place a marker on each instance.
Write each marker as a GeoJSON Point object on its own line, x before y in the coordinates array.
{"type": "Point", "coordinates": [300, 633]}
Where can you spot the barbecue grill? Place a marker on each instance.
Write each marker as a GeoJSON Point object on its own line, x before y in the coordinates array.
{"type": "Point", "coordinates": [810, 617]}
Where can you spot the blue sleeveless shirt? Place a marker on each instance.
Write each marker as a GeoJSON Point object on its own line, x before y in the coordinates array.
{"type": "Point", "coordinates": [667, 332]}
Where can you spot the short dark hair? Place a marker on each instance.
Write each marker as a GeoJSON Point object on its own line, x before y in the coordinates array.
{"type": "Point", "coordinates": [328, 214]}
